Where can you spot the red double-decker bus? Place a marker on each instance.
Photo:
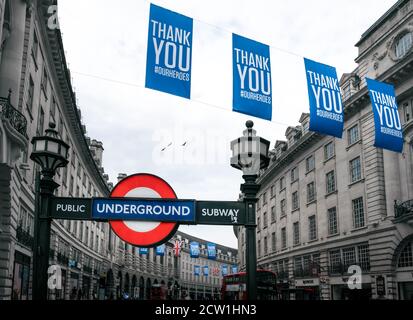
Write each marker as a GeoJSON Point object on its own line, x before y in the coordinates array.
{"type": "Point", "coordinates": [234, 286]}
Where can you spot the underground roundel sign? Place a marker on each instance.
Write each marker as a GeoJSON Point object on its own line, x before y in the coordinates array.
{"type": "Point", "coordinates": [144, 233]}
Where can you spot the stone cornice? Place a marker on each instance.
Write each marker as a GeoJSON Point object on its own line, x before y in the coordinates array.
{"type": "Point", "coordinates": [56, 52]}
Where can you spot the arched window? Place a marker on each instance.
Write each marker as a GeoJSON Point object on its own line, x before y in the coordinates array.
{"type": "Point", "coordinates": [404, 44]}
{"type": "Point", "coordinates": [406, 256]}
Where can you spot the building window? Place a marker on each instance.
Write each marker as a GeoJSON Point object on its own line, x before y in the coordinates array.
{"type": "Point", "coordinates": [406, 257]}
{"type": "Point", "coordinates": [259, 248]}
{"type": "Point", "coordinates": [328, 151]}
{"type": "Point", "coordinates": [309, 163]}
{"type": "Point", "coordinates": [349, 257]}
{"type": "Point", "coordinates": [53, 111]}
{"type": "Point", "coordinates": [64, 178]}
{"type": "Point", "coordinates": [273, 241]}
{"type": "Point", "coordinates": [312, 228]}
{"type": "Point", "coordinates": [264, 220]}
{"type": "Point", "coordinates": [355, 170]}
{"type": "Point", "coordinates": [407, 112]}
{"type": "Point", "coordinates": [332, 221]}
{"type": "Point", "coordinates": [40, 122]}
{"type": "Point", "coordinates": [273, 217]}
{"type": "Point", "coordinates": [331, 182]}
{"type": "Point", "coordinates": [272, 191]}
{"type": "Point", "coordinates": [282, 183]}
{"type": "Point", "coordinates": [265, 246]}
{"type": "Point", "coordinates": [35, 47]}
{"type": "Point", "coordinates": [335, 261]}
{"type": "Point", "coordinates": [294, 174]}
{"type": "Point", "coordinates": [310, 192]}
{"type": "Point", "coordinates": [71, 185]}
{"type": "Point", "coordinates": [258, 223]}
{"type": "Point", "coordinates": [403, 45]}
{"type": "Point", "coordinates": [30, 94]}
{"type": "Point", "coordinates": [358, 213]}
{"type": "Point", "coordinates": [43, 83]}
{"type": "Point", "coordinates": [283, 238]}
{"type": "Point", "coordinates": [295, 205]}
{"type": "Point", "coordinates": [364, 257]}
{"type": "Point", "coordinates": [353, 135]}
{"type": "Point", "coordinates": [282, 206]}
{"type": "Point", "coordinates": [264, 198]}
{"type": "Point", "coordinates": [296, 233]}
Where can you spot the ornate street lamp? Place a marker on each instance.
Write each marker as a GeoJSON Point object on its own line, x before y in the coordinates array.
{"type": "Point", "coordinates": [250, 154]}
{"type": "Point", "coordinates": [50, 152]}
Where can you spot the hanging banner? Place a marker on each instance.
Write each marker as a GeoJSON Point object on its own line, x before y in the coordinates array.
{"type": "Point", "coordinates": [197, 270]}
{"type": "Point", "coordinates": [234, 269]}
{"type": "Point", "coordinates": [212, 251]}
{"type": "Point", "coordinates": [206, 271]}
{"type": "Point", "coordinates": [160, 250]}
{"type": "Point", "coordinates": [169, 54]}
{"type": "Point", "coordinates": [224, 269]}
{"type": "Point", "coordinates": [143, 250]}
{"type": "Point", "coordinates": [251, 70]}
{"type": "Point", "coordinates": [389, 134]}
{"type": "Point", "coordinates": [194, 249]}
{"type": "Point", "coordinates": [326, 107]}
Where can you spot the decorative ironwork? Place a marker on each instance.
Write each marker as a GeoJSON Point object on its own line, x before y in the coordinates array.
{"type": "Point", "coordinates": [16, 118]}
{"type": "Point", "coordinates": [24, 237]}
{"type": "Point", "coordinates": [403, 209]}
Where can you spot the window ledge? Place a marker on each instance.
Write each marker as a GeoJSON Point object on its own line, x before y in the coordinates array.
{"type": "Point", "coordinates": [283, 215]}
{"type": "Point", "coordinates": [294, 210]}
{"type": "Point", "coordinates": [329, 194]}
{"type": "Point", "coordinates": [353, 144]}
{"type": "Point", "coordinates": [327, 160]}
{"type": "Point", "coordinates": [283, 189]}
{"type": "Point", "coordinates": [295, 180]}
{"type": "Point", "coordinates": [309, 171]}
{"type": "Point", "coordinates": [358, 229]}
{"type": "Point", "coordinates": [311, 202]}
{"type": "Point", "coordinates": [296, 245]}
{"type": "Point", "coordinates": [355, 182]}
{"type": "Point", "coordinates": [311, 241]}
{"type": "Point", "coordinates": [332, 235]}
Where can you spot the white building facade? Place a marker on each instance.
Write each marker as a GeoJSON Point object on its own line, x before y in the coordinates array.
{"type": "Point", "coordinates": [328, 204]}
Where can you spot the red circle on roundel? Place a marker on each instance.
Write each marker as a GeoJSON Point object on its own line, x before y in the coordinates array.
{"type": "Point", "coordinates": [158, 234]}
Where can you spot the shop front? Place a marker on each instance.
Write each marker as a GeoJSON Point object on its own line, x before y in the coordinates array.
{"type": "Point", "coordinates": [21, 274]}
{"type": "Point", "coordinates": [405, 285]}
{"type": "Point", "coordinates": [307, 289]}
{"type": "Point", "coordinates": [341, 290]}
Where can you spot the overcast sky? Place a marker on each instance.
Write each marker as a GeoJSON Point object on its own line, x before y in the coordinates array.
{"type": "Point", "coordinates": [108, 39]}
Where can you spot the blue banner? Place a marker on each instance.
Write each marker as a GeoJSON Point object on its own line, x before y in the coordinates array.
{"type": "Point", "coordinates": [145, 210]}
{"type": "Point", "coordinates": [143, 250]}
{"type": "Point", "coordinates": [197, 270]}
{"type": "Point", "coordinates": [169, 54]}
{"type": "Point", "coordinates": [206, 271]}
{"type": "Point", "coordinates": [160, 250]}
{"type": "Point", "coordinates": [326, 107]}
{"type": "Point", "coordinates": [251, 70]}
{"type": "Point", "coordinates": [194, 249]}
{"type": "Point", "coordinates": [224, 268]}
{"type": "Point", "coordinates": [212, 251]}
{"type": "Point", "coordinates": [234, 269]}
{"type": "Point", "coordinates": [389, 134]}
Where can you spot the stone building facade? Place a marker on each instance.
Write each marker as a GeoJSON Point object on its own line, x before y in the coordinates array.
{"type": "Point", "coordinates": [36, 89]}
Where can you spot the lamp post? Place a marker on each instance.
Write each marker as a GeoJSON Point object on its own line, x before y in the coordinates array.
{"type": "Point", "coordinates": [250, 154]}
{"type": "Point", "coordinates": [50, 152]}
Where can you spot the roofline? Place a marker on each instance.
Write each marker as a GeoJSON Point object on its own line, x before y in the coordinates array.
{"type": "Point", "coordinates": [219, 246]}
{"type": "Point", "coordinates": [379, 22]}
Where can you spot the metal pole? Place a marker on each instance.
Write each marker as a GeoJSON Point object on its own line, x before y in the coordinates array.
{"type": "Point", "coordinates": [41, 248]}
{"type": "Point", "coordinates": [250, 189]}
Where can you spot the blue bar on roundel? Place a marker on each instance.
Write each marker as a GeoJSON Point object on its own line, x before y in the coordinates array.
{"type": "Point", "coordinates": [144, 210]}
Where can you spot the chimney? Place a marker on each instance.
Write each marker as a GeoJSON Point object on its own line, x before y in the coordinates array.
{"type": "Point", "coordinates": [97, 150]}
{"type": "Point", "coordinates": [122, 176]}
